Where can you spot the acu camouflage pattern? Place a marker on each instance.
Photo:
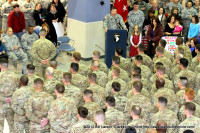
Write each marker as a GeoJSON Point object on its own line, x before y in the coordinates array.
{"type": "Point", "coordinates": [171, 5]}
{"type": "Point", "coordinates": [5, 10]}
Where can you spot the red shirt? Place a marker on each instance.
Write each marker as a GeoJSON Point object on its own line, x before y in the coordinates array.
{"type": "Point", "coordinates": [15, 22]}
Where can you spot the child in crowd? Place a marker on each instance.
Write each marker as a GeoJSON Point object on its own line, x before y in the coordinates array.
{"type": "Point", "coordinates": [178, 28]}
{"type": "Point", "coordinates": [135, 40]}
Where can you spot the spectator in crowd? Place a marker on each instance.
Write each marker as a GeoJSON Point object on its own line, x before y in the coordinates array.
{"type": "Point", "coordinates": [161, 16]}
{"type": "Point", "coordinates": [148, 20]}
{"type": "Point", "coordinates": [45, 3]}
{"type": "Point", "coordinates": [196, 5]}
{"type": "Point", "coordinates": [161, 126]}
{"type": "Point", "coordinates": [142, 6]}
{"type": "Point", "coordinates": [3, 51]}
{"type": "Point", "coordinates": [154, 34]}
{"type": "Point", "coordinates": [16, 21]}
{"type": "Point", "coordinates": [176, 4]}
{"type": "Point", "coordinates": [194, 28]}
{"type": "Point", "coordinates": [178, 28]}
{"type": "Point", "coordinates": [169, 27]}
{"type": "Point", "coordinates": [59, 9]}
{"type": "Point", "coordinates": [193, 43]}
{"type": "Point", "coordinates": [155, 7]}
{"type": "Point", "coordinates": [39, 14]}
{"type": "Point", "coordinates": [186, 15]}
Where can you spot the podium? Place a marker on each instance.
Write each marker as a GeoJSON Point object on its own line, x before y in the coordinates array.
{"type": "Point", "coordinates": [115, 39]}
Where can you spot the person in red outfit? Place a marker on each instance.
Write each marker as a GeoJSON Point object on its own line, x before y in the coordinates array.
{"type": "Point", "coordinates": [16, 21]}
{"type": "Point", "coordinates": [135, 40]}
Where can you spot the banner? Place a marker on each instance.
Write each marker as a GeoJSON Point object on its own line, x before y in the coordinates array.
{"type": "Point", "coordinates": [171, 43]}
{"type": "Point", "coordinates": [59, 28]}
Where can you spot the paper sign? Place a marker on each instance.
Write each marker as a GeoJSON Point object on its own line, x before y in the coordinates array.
{"type": "Point", "coordinates": [59, 28]}
{"type": "Point", "coordinates": [171, 43]}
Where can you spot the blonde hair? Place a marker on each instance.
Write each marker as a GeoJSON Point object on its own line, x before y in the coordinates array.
{"type": "Point", "coordinates": [133, 32]}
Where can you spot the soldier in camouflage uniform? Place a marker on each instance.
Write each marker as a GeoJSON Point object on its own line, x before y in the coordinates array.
{"type": "Point", "coordinates": [164, 60]}
{"type": "Point", "coordinates": [42, 52]}
{"type": "Point", "coordinates": [99, 93]}
{"type": "Point", "coordinates": [176, 4]}
{"type": "Point", "coordinates": [182, 85]}
{"type": "Point", "coordinates": [37, 108]}
{"type": "Point", "coordinates": [102, 78]}
{"type": "Point", "coordinates": [123, 74]}
{"type": "Point", "coordinates": [58, 74]}
{"type": "Point", "coordinates": [62, 112]}
{"type": "Point", "coordinates": [176, 69]}
{"type": "Point", "coordinates": [45, 3]}
{"type": "Point", "coordinates": [197, 68]}
{"type": "Point", "coordinates": [137, 121]}
{"type": "Point", "coordinates": [197, 84]}
{"type": "Point", "coordinates": [90, 105]}
{"type": "Point", "coordinates": [14, 49]}
{"type": "Point", "coordinates": [165, 114]}
{"type": "Point", "coordinates": [19, 98]}
{"type": "Point", "coordinates": [185, 73]}
{"type": "Point", "coordinates": [196, 5]}
{"type": "Point", "coordinates": [143, 7]}
{"type": "Point", "coordinates": [1, 3]}
{"type": "Point", "coordinates": [114, 117]}
{"type": "Point", "coordinates": [51, 82]}
{"type": "Point", "coordinates": [83, 70]}
{"type": "Point", "coordinates": [83, 125]}
{"type": "Point", "coordinates": [113, 21]}
{"type": "Point", "coordinates": [27, 41]}
{"type": "Point", "coordinates": [194, 61]}
{"type": "Point", "coordinates": [5, 10]}
{"type": "Point", "coordinates": [191, 120]}
{"type": "Point", "coordinates": [8, 84]}
{"type": "Point", "coordinates": [115, 78]}
{"type": "Point", "coordinates": [27, 7]}
{"type": "Point", "coordinates": [65, 4]}
{"type": "Point", "coordinates": [77, 79]}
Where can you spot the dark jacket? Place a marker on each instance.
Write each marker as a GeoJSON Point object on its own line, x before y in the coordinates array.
{"type": "Point", "coordinates": [17, 23]}
{"type": "Point", "coordinates": [157, 35]}
{"type": "Point", "coordinates": [36, 16]}
{"type": "Point", "coordinates": [3, 48]}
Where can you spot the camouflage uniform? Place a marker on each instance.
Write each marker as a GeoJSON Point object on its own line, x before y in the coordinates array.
{"type": "Point", "coordinates": [10, 42]}
{"type": "Point", "coordinates": [197, 69]}
{"type": "Point", "coordinates": [187, 52]}
{"type": "Point", "coordinates": [197, 83]}
{"type": "Point", "coordinates": [189, 75]}
{"type": "Point", "coordinates": [42, 49]}
{"type": "Point", "coordinates": [125, 64]}
{"type": "Point", "coordinates": [144, 81]}
{"type": "Point", "coordinates": [168, 85]}
{"type": "Point", "coordinates": [144, 92]}
{"type": "Point", "coordinates": [50, 85]}
{"type": "Point", "coordinates": [92, 109]}
{"type": "Point", "coordinates": [182, 116]}
{"type": "Point", "coordinates": [102, 78]}
{"type": "Point", "coordinates": [45, 3]}
{"type": "Point", "coordinates": [123, 75]}
{"type": "Point", "coordinates": [73, 92]}
{"type": "Point", "coordinates": [27, 9]}
{"type": "Point", "coordinates": [171, 5]}
{"type": "Point", "coordinates": [31, 79]}
{"type": "Point", "coordinates": [196, 8]}
{"type": "Point", "coordinates": [124, 87]}
{"type": "Point", "coordinates": [180, 97]}
{"type": "Point", "coordinates": [83, 70]}
{"type": "Point", "coordinates": [167, 54]}
{"type": "Point", "coordinates": [174, 72]}
{"type": "Point", "coordinates": [166, 62]}
{"type": "Point", "coordinates": [143, 4]}
{"type": "Point", "coordinates": [102, 67]}
{"type": "Point", "coordinates": [113, 22]}
{"type": "Point", "coordinates": [168, 116]}
{"type": "Point", "coordinates": [103, 129]}
{"type": "Point", "coordinates": [6, 9]}
{"type": "Point", "coordinates": [99, 94]}
{"type": "Point", "coordinates": [36, 108]}
{"type": "Point", "coordinates": [58, 75]}
{"type": "Point", "coordinates": [65, 4]}
{"type": "Point", "coordinates": [8, 84]}
{"type": "Point", "coordinates": [81, 126]}
{"type": "Point", "coordinates": [137, 123]}
{"type": "Point", "coordinates": [154, 77]}
{"type": "Point", "coordinates": [79, 81]}
{"type": "Point", "coordinates": [19, 98]}
{"type": "Point", "coordinates": [27, 41]}
{"type": "Point", "coordinates": [194, 63]}
{"type": "Point", "coordinates": [62, 114]}
{"type": "Point", "coordinates": [145, 71]}
{"type": "Point", "coordinates": [1, 3]}
{"type": "Point", "coordinates": [120, 102]}
{"type": "Point", "coordinates": [191, 121]}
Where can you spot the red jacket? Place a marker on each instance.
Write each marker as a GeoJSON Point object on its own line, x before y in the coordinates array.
{"type": "Point", "coordinates": [17, 24]}
{"type": "Point", "coordinates": [158, 33]}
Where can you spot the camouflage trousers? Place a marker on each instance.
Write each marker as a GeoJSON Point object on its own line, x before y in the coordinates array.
{"type": "Point", "coordinates": [4, 24]}
{"type": "Point", "coordinates": [28, 53]}
{"type": "Point", "coordinates": [20, 124]}
{"type": "Point", "coordinates": [36, 128]}
{"type": "Point", "coordinates": [18, 54]}
{"type": "Point", "coordinates": [65, 22]}
{"type": "Point", "coordinates": [6, 113]}
{"type": "Point", "coordinates": [41, 71]}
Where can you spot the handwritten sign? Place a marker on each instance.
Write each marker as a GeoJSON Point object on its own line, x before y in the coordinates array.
{"type": "Point", "coordinates": [171, 43]}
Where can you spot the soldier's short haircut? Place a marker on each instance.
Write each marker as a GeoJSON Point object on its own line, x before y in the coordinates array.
{"type": "Point", "coordinates": [198, 47]}
{"type": "Point", "coordinates": [188, 131]}
{"type": "Point", "coordinates": [4, 62]}
{"type": "Point", "coordinates": [160, 49]}
{"type": "Point", "coordinates": [179, 56]}
{"type": "Point", "coordinates": [190, 93]}
{"type": "Point", "coordinates": [184, 62]}
{"type": "Point", "coordinates": [158, 64]}
{"type": "Point", "coordinates": [163, 43]}
{"type": "Point", "coordinates": [92, 77]}
{"type": "Point", "coordinates": [50, 71]}
{"type": "Point", "coordinates": [77, 56]}
{"type": "Point", "coordinates": [38, 81]}
{"type": "Point", "coordinates": [24, 80]}
{"type": "Point", "coordinates": [116, 71]}
{"type": "Point", "coordinates": [82, 111]}
{"type": "Point", "coordinates": [130, 129]}
{"type": "Point", "coordinates": [97, 54]}
{"type": "Point", "coordinates": [67, 77]}
{"type": "Point", "coordinates": [162, 101]}
{"type": "Point", "coordinates": [15, 5]}
{"type": "Point", "coordinates": [139, 58]}
{"type": "Point", "coordinates": [116, 59]}
{"type": "Point", "coordinates": [43, 32]}
{"type": "Point", "coordinates": [95, 63]}
{"type": "Point", "coordinates": [181, 50]}
{"type": "Point", "coordinates": [30, 68]}
{"type": "Point", "coordinates": [113, 8]}
{"type": "Point", "coordinates": [179, 40]}
{"type": "Point", "coordinates": [141, 48]}
{"type": "Point", "coordinates": [135, 3]}
{"type": "Point", "coordinates": [110, 100]}
{"type": "Point", "coordinates": [136, 110]}
{"type": "Point", "coordinates": [53, 63]}
{"type": "Point", "coordinates": [183, 81]}
{"type": "Point", "coordinates": [160, 83]}
{"type": "Point", "coordinates": [119, 51]}
{"type": "Point", "coordinates": [161, 126]}
{"type": "Point", "coordinates": [9, 28]}
{"type": "Point", "coordinates": [191, 107]}
{"type": "Point", "coordinates": [88, 93]}
{"type": "Point", "coordinates": [137, 70]}
{"type": "Point", "coordinates": [137, 76]}
{"type": "Point", "coordinates": [74, 66]}
{"type": "Point", "coordinates": [100, 116]}
{"type": "Point", "coordinates": [137, 85]}
{"type": "Point", "coordinates": [116, 86]}
{"type": "Point", "coordinates": [60, 88]}
{"type": "Point", "coordinates": [160, 69]}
